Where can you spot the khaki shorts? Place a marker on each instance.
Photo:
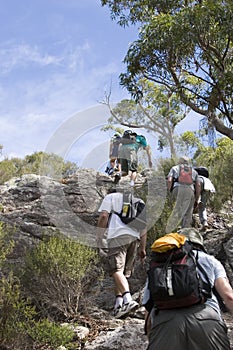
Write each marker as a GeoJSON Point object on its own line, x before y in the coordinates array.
{"type": "Point", "coordinates": [122, 257]}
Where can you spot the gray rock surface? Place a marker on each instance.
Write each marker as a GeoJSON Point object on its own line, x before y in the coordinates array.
{"type": "Point", "coordinates": [35, 206]}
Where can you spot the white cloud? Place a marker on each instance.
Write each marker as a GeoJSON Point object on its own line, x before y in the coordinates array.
{"type": "Point", "coordinates": [24, 56]}
{"type": "Point", "coordinates": [21, 55]}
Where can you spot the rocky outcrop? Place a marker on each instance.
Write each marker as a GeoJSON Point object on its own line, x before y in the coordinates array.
{"type": "Point", "coordinates": [36, 206]}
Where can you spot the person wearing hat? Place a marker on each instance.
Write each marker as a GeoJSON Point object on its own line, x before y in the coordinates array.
{"type": "Point", "coordinates": [200, 326]}
{"type": "Point", "coordinates": [184, 185]}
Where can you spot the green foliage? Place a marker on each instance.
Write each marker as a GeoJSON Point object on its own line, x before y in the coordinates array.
{"type": "Point", "coordinates": [19, 328]}
{"type": "Point", "coordinates": [7, 170]}
{"type": "Point", "coordinates": [159, 229]}
{"type": "Point", "coordinates": [19, 324]}
{"type": "Point", "coordinates": [49, 333]}
{"type": "Point", "coordinates": [185, 46]}
{"type": "Point", "coordinates": [46, 164]}
{"type": "Point", "coordinates": [189, 143]}
{"type": "Point", "coordinates": [6, 242]}
{"type": "Point", "coordinates": [219, 162]}
{"type": "Point", "coordinates": [15, 314]}
{"type": "Point", "coordinates": [56, 273]}
{"type": "Point", "coordinates": [39, 163]}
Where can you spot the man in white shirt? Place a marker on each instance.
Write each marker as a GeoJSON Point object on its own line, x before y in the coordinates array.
{"type": "Point", "coordinates": [123, 245]}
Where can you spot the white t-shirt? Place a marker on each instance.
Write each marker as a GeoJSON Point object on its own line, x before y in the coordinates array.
{"type": "Point", "coordinates": [114, 202]}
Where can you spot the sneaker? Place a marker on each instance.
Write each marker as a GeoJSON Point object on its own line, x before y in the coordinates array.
{"type": "Point", "coordinates": [126, 309]}
{"type": "Point", "coordinates": [116, 311]}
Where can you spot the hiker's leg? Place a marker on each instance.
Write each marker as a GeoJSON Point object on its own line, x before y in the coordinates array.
{"type": "Point", "coordinates": [130, 258]}
{"type": "Point", "coordinates": [133, 166]}
{"type": "Point", "coordinates": [121, 283]}
{"type": "Point", "coordinates": [188, 204]}
{"type": "Point", "coordinates": [124, 263]}
{"type": "Point", "coordinates": [176, 215]}
{"type": "Point", "coordinates": [133, 175]}
{"type": "Point", "coordinates": [202, 207]}
{"type": "Point", "coordinates": [117, 258]}
{"type": "Point", "coordinates": [124, 157]}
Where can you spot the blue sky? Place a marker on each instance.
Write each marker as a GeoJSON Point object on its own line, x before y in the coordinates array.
{"type": "Point", "coordinates": [57, 59]}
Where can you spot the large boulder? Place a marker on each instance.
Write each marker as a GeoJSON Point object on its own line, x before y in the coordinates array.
{"type": "Point", "coordinates": [37, 206]}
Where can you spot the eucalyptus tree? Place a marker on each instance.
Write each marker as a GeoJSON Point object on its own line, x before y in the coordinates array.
{"type": "Point", "coordinates": [185, 45]}
{"type": "Point", "coordinates": [158, 111]}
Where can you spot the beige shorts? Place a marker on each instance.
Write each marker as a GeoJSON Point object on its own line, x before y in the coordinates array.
{"type": "Point", "coordinates": [122, 257]}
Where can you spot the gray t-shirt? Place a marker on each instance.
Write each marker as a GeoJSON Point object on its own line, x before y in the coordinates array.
{"type": "Point", "coordinates": [174, 173]}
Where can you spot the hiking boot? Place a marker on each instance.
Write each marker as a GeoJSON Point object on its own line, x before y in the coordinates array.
{"type": "Point", "coordinates": [126, 309]}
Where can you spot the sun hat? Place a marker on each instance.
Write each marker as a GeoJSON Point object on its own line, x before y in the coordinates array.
{"type": "Point", "coordinates": [184, 160]}
{"type": "Point", "coordinates": [192, 235]}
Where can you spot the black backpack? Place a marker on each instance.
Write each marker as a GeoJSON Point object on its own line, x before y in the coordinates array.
{"type": "Point", "coordinates": [174, 281]}
{"type": "Point", "coordinates": [116, 140]}
{"type": "Point", "coordinates": [202, 171]}
{"type": "Point", "coordinates": [133, 212]}
{"type": "Point", "coordinates": [128, 137]}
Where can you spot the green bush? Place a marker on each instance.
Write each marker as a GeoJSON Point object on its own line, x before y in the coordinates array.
{"type": "Point", "coordinates": [55, 274]}
{"type": "Point", "coordinates": [6, 242]}
{"type": "Point", "coordinates": [49, 333]}
{"type": "Point", "coordinates": [219, 162]}
{"type": "Point", "coordinates": [16, 314]}
{"type": "Point", "coordinates": [19, 325]}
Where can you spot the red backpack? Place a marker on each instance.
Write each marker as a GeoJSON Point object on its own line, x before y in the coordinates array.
{"type": "Point", "coordinates": [185, 174]}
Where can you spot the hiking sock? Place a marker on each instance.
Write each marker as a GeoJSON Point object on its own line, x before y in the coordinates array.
{"type": "Point", "coordinates": [118, 301]}
{"type": "Point", "coordinates": [127, 298]}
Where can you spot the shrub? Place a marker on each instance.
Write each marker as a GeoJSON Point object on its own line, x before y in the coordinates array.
{"type": "Point", "coordinates": [15, 315]}
{"type": "Point", "coordinates": [55, 274]}
{"type": "Point", "coordinates": [6, 243]}
{"type": "Point", "coordinates": [219, 162]}
{"type": "Point", "coordinates": [49, 333]}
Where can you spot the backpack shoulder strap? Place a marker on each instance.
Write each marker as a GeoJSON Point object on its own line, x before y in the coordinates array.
{"type": "Point", "coordinates": [203, 271]}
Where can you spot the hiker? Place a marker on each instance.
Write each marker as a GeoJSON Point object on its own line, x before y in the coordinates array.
{"type": "Point", "coordinates": [199, 326]}
{"type": "Point", "coordinates": [206, 189]}
{"type": "Point", "coordinates": [128, 150]}
{"type": "Point", "coordinates": [111, 167]}
{"type": "Point", "coordinates": [114, 146]}
{"type": "Point", "coordinates": [184, 185]}
{"type": "Point", "coordinates": [114, 164]}
{"type": "Point", "coordinates": [123, 244]}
